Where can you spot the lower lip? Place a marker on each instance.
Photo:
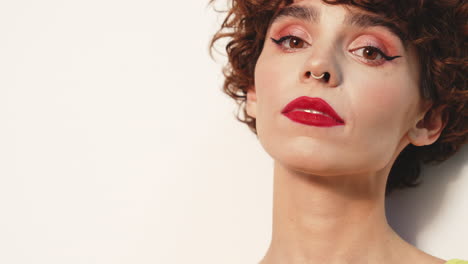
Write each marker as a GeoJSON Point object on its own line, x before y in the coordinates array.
{"type": "Point", "coordinates": [312, 119]}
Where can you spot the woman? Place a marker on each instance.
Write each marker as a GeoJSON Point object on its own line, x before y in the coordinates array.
{"type": "Point", "coordinates": [348, 98]}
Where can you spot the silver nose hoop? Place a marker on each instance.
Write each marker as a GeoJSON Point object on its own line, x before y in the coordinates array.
{"type": "Point", "coordinates": [317, 77]}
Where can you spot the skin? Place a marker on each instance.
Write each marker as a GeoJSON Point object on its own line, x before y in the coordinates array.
{"type": "Point", "coordinates": [329, 182]}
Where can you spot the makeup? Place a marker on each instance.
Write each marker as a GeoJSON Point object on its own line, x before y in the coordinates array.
{"type": "Point", "coordinates": [312, 111]}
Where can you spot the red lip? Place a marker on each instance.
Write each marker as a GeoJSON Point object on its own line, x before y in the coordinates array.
{"type": "Point", "coordinates": [331, 118]}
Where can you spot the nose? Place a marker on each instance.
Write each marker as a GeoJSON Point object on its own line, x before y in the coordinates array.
{"type": "Point", "coordinates": [322, 66]}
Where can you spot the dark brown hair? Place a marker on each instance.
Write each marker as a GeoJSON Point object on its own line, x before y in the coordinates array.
{"type": "Point", "coordinates": [438, 30]}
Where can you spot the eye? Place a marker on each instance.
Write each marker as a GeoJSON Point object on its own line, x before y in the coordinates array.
{"type": "Point", "coordinates": [290, 42]}
{"type": "Point", "coordinates": [372, 54]}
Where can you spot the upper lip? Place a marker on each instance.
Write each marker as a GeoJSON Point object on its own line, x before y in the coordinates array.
{"type": "Point", "coordinates": [314, 103]}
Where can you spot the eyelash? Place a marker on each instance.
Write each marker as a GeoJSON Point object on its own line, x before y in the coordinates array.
{"type": "Point", "coordinates": [280, 41]}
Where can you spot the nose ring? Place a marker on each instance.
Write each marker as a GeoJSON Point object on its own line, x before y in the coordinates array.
{"type": "Point", "coordinates": [317, 77]}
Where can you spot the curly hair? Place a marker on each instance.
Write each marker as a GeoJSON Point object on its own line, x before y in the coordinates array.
{"type": "Point", "coordinates": [438, 30]}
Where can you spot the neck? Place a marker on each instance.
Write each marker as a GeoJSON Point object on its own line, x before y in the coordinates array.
{"type": "Point", "coordinates": [333, 219]}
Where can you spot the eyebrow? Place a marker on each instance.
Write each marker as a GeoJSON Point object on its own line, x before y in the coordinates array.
{"type": "Point", "coordinates": [312, 15]}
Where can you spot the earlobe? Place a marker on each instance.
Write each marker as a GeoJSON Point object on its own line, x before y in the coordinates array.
{"type": "Point", "coordinates": [428, 129]}
{"type": "Point", "coordinates": [251, 104]}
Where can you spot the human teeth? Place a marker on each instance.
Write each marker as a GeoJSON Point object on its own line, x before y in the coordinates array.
{"type": "Point", "coordinates": [311, 111]}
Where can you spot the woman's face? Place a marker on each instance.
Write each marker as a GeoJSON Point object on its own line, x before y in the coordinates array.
{"type": "Point", "coordinates": [375, 94]}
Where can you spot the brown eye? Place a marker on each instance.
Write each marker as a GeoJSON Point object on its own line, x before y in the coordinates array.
{"type": "Point", "coordinates": [370, 53]}
{"type": "Point", "coordinates": [290, 43]}
{"type": "Point", "coordinates": [296, 43]}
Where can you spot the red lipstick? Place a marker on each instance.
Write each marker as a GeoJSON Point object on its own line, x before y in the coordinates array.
{"type": "Point", "coordinates": [312, 111]}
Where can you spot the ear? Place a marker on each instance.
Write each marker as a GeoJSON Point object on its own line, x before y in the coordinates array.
{"type": "Point", "coordinates": [251, 105]}
{"type": "Point", "coordinates": [427, 129]}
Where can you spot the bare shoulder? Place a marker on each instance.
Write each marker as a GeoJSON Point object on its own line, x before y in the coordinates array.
{"type": "Point", "coordinates": [437, 261]}
{"type": "Point", "coordinates": [417, 256]}
{"type": "Point", "coordinates": [425, 258]}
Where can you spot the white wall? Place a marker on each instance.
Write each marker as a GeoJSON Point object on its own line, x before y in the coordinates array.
{"type": "Point", "coordinates": [117, 145]}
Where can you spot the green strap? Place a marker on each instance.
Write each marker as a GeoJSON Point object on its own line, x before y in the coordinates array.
{"type": "Point", "coordinates": [456, 261]}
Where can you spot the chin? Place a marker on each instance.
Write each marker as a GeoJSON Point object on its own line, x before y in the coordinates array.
{"type": "Point", "coordinates": [306, 161]}
{"type": "Point", "coordinates": [325, 161]}
{"type": "Point", "coordinates": [325, 156]}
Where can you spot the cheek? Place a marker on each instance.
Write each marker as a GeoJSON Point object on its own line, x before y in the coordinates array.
{"type": "Point", "coordinates": [269, 82]}
{"type": "Point", "coordinates": [274, 84]}
{"type": "Point", "coordinates": [381, 110]}
{"type": "Point", "coordinates": [382, 101]}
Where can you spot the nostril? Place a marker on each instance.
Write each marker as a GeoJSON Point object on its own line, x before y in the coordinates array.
{"type": "Point", "coordinates": [326, 77]}
{"type": "Point", "coordinates": [308, 74]}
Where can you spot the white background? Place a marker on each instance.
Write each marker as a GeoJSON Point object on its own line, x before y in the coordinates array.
{"type": "Point", "coordinates": [118, 146]}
